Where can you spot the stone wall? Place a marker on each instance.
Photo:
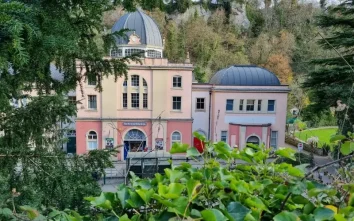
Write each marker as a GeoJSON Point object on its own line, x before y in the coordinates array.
{"type": "Point", "coordinates": [294, 141]}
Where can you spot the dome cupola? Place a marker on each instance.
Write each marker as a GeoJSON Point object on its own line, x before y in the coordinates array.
{"type": "Point", "coordinates": [144, 36]}
{"type": "Point", "coordinates": [245, 75]}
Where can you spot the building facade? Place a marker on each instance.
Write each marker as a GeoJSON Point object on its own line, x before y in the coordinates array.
{"type": "Point", "coordinates": [160, 103]}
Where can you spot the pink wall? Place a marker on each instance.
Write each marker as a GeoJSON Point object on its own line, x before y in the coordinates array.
{"type": "Point", "coordinates": [234, 130]}
{"type": "Point", "coordinates": [254, 130]}
{"type": "Point", "coordinates": [82, 129]}
{"type": "Point", "coordinates": [184, 127]}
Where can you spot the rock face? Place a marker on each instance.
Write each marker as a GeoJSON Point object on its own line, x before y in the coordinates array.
{"type": "Point", "coordinates": [238, 15]}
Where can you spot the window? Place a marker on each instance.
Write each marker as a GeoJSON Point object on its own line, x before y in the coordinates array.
{"type": "Point", "coordinates": [250, 105]}
{"type": "Point", "coordinates": [91, 80]}
{"type": "Point", "coordinates": [229, 105]}
{"type": "Point", "coordinates": [145, 100]}
{"type": "Point", "coordinates": [92, 140]}
{"type": "Point", "coordinates": [177, 81]}
{"type": "Point", "coordinates": [125, 83]}
{"type": "Point", "coordinates": [274, 139]}
{"type": "Point", "coordinates": [259, 105]}
{"type": "Point", "coordinates": [176, 103]}
{"type": "Point", "coordinates": [116, 53]}
{"type": "Point", "coordinates": [176, 137]}
{"type": "Point", "coordinates": [72, 100]}
{"type": "Point", "coordinates": [224, 136]}
{"type": "Point", "coordinates": [200, 104]}
{"type": "Point", "coordinates": [271, 105]}
{"type": "Point", "coordinates": [125, 100]}
{"type": "Point", "coordinates": [153, 54]}
{"type": "Point", "coordinates": [92, 102]}
{"type": "Point", "coordinates": [134, 51]}
{"type": "Point", "coordinates": [144, 83]}
{"type": "Point", "coordinates": [241, 105]}
{"type": "Point", "coordinates": [135, 80]}
{"type": "Point", "coordinates": [135, 100]}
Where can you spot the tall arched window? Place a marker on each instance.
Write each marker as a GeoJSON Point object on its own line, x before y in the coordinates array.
{"type": "Point", "coordinates": [92, 142]}
{"type": "Point", "coordinates": [144, 83]}
{"type": "Point", "coordinates": [176, 137]}
{"type": "Point", "coordinates": [135, 80]}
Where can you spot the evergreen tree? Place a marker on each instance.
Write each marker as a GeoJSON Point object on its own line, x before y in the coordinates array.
{"type": "Point", "coordinates": [34, 35]}
{"type": "Point", "coordinates": [333, 78]}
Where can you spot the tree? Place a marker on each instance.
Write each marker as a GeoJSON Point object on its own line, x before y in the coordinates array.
{"type": "Point", "coordinates": [331, 82]}
{"type": "Point", "coordinates": [34, 35]}
{"type": "Point", "coordinates": [279, 64]}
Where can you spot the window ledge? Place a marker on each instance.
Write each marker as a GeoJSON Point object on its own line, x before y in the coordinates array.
{"type": "Point", "coordinates": [176, 111]}
{"type": "Point", "coordinates": [133, 109]}
{"type": "Point", "coordinates": [200, 110]}
{"type": "Point", "coordinates": [91, 110]}
{"type": "Point", "coordinates": [177, 88]}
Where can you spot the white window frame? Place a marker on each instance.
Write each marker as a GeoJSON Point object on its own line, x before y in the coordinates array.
{"type": "Point", "coordinates": [276, 139]}
{"type": "Point", "coordinates": [176, 101]}
{"type": "Point", "coordinates": [126, 99]}
{"type": "Point", "coordinates": [145, 101]}
{"type": "Point", "coordinates": [178, 81]}
{"type": "Point", "coordinates": [131, 100]}
{"type": "Point", "coordinates": [91, 140]}
{"type": "Point", "coordinates": [221, 136]}
{"type": "Point", "coordinates": [196, 104]}
{"type": "Point", "coordinates": [88, 102]}
{"type": "Point", "coordinates": [133, 82]}
{"type": "Point", "coordinates": [241, 105]}
{"type": "Point", "coordinates": [176, 141]}
{"type": "Point", "coordinates": [259, 105]}
{"type": "Point", "coordinates": [254, 104]}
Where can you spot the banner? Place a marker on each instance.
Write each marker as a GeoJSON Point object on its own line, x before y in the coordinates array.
{"type": "Point", "coordinates": [159, 144]}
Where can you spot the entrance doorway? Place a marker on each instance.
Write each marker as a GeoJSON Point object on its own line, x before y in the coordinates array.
{"type": "Point", "coordinates": [134, 141]}
{"type": "Point", "coordinates": [253, 140]}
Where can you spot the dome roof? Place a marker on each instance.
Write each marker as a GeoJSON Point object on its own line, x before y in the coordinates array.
{"type": "Point", "coordinates": [140, 24]}
{"type": "Point", "coordinates": [245, 75]}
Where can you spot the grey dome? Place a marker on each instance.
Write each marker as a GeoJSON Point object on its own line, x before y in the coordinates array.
{"type": "Point", "coordinates": [245, 75]}
{"type": "Point", "coordinates": [144, 27]}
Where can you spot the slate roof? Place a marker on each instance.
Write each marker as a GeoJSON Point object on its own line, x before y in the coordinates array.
{"type": "Point", "coordinates": [143, 25]}
{"type": "Point", "coordinates": [245, 75]}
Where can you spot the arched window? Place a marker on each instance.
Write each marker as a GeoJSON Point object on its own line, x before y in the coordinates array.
{"type": "Point", "coordinates": [144, 83]}
{"type": "Point", "coordinates": [253, 140]}
{"type": "Point", "coordinates": [135, 80]}
{"type": "Point", "coordinates": [125, 83]}
{"type": "Point", "coordinates": [92, 142]}
{"type": "Point", "coordinates": [176, 137]}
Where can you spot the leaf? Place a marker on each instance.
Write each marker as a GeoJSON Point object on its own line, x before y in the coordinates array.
{"type": "Point", "coordinates": [174, 191]}
{"type": "Point", "coordinates": [124, 218]}
{"type": "Point", "coordinates": [192, 152]}
{"type": "Point", "coordinates": [6, 212]}
{"type": "Point", "coordinates": [145, 194]}
{"type": "Point", "coordinates": [173, 175]}
{"type": "Point", "coordinates": [31, 212]}
{"type": "Point", "coordinates": [134, 201]}
{"type": "Point", "coordinates": [347, 148]}
{"type": "Point", "coordinates": [237, 211]}
{"type": "Point", "coordinates": [249, 151]}
{"type": "Point", "coordinates": [285, 216]}
{"type": "Point", "coordinates": [299, 199]}
{"type": "Point", "coordinates": [335, 138]}
{"type": "Point", "coordinates": [199, 136]}
{"type": "Point", "coordinates": [179, 148]}
{"type": "Point", "coordinates": [255, 202]}
{"type": "Point", "coordinates": [213, 215]}
{"type": "Point", "coordinates": [293, 171]}
{"type": "Point", "coordinates": [180, 206]}
{"type": "Point", "coordinates": [339, 217]}
{"type": "Point", "coordinates": [196, 213]}
{"type": "Point", "coordinates": [123, 195]}
{"type": "Point", "coordinates": [192, 190]}
{"type": "Point", "coordinates": [287, 153]}
{"type": "Point", "coordinates": [333, 208]}
{"type": "Point", "coordinates": [306, 217]}
{"type": "Point", "coordinates": [222, 148]}
{"type": "Point", "coordinates": [322, 213]}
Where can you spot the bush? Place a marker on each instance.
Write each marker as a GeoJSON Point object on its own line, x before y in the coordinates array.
{"type": "Point", "coordinates": [301, 158]}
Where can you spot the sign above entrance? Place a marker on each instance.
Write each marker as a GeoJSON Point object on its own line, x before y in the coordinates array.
{"type": "Point", "coordinates": [134, 123]}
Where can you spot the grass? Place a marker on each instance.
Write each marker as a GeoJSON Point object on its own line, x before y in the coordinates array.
{"type": "Point", "coordinates": [323, 134]}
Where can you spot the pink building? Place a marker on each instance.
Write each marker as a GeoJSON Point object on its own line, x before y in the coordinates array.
{"type": "Point", "coordinates": [160, 103]}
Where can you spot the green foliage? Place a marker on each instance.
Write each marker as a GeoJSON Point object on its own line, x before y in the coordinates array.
{"type": "Point", "coordinates": [300, 158]}
{"type": "Point", "coordinates": [252, 191]}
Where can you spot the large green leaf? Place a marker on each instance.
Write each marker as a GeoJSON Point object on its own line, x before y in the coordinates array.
{"type": "Point", "coordinates": [335, 138]}
{"type": "Point", "coordinates": [179, 148]}
{"type": "Point", "coordinates": [174, 175]}
{"type": "Point", "coordinates": [123, 196]}
{"type": "Point", "coordinates": [237, 211]}
{"type": "Point", "coordinates": [255, 202]}
{"type": "Point", "coordinates": [222, 148]}
{"type": "Point", "coordinates": [180, 206]}
{"type": "Point", "coordinates": [287, 153]}
{"type": "Point", "coordinates": [174, 191]}
{"type": "Point", "coordinates": [192, 188]}
{"type": "Point", "coordinates": [293, 171]}
{"type": "Point", "coordinates": [31, 212]}
{"type": "Point", "coordinates": [6, 212]}
{"type": "Point", "coordinates": [322, 214]}
{"type": "Point", "coordinates": [299, 199]}
{"type": "Point", "coordinates": [285, 216]}
{"type": "Point", "coordinates": [213, 215]}
{"type": "Point", "coordinates": [347, 148]}
{"type": "Point", "coordinates": [145, 194]}
{"type": "Point", "coordinates": [199, 136]}
{"type": "Point", "coordinates": [135, 200]}
{"type": "Point", "coordinates": [193, 152]}
{"type": "Point", "coordinates": [101, 201]}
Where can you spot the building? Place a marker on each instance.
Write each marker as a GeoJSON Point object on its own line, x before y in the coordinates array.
{"type": "Point", "coordinates": [160, 103]}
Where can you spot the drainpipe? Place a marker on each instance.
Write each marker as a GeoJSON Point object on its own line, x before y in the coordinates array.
{"type": "Point", "coordinates": [209, 114]}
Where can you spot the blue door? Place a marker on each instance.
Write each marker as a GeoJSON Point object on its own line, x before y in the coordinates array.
{"type": "Point", "coordinates": [126, 149]}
